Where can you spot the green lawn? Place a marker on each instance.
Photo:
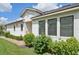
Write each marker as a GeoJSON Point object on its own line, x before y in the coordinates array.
{"type": "Point", "coordinates": [7, 48]}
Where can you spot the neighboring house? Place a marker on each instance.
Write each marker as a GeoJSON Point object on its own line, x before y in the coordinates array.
{"type": "Point", "coordinates": [16, 27]}
{"type": "Point", "coordinates": [23, 25]}
{"type": "Point", "coordinates": [59, 23]}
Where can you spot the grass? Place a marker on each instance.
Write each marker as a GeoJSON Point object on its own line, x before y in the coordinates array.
{"type": "Point", "coordinates": [7, 48]}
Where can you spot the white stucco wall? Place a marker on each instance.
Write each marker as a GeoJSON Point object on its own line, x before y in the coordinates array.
{"type": "Point", "coordinates": [35, 28]}
{"type": "Point", "coordinates": [30, 14]}
{"type": "Point", "coordinates": [76, 25]}
{"type": "Point", "coordinates": [35, 25]}
{"type": "Point", "coordinates": [17, 32]}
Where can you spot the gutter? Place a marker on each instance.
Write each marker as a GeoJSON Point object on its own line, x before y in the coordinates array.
{"type": "Point", "coordinates": [56, 13]}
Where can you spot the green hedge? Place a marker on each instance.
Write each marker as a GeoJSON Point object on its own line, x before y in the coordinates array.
{"type": "Point", "coordinates": [8, 35]}
{"type": "Point", "coordinates": [68, 47]}
{"type": "Point", "coordinates": [44, 44]}
{"type": "Point", "coordinates": [29, 39]}
{"type": "Point", "coordinates": [41, 44]}
{"type": "Point", "coordinates": [19, 37]}
{"type": "Point", "coordinates": [1, 33]}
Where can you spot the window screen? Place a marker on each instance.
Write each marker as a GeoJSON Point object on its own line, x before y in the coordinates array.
{"type": "Point", "coordinates": [21, 27]}
{"type": "Point", "coordinates": [52, 26]}
{"type": "Point", "coordinates": [42, 27]}
{"type": "Point", "coordinates": [14, 27]}
{"type": "Point", "coordinates": [66, 25]}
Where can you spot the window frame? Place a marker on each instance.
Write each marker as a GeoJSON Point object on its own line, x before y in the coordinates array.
{"type": "Point", "coordinates": [21, 27]}
{"type": "Point", "coordinates": [72, 26]}
{"type": "Point", "coordinates": [55, 27]}
{"type": "Point", "coordinates": [44, 27]}
{"type": "Point", "coordinates": [14, 27]}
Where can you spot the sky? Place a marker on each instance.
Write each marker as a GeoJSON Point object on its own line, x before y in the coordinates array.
{"type": "Point", "coordinates": [12, 11]}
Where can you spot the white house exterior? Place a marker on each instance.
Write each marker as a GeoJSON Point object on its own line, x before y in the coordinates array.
{"type": "Point", "coordinates": [15, 28]}
{"type": "Point", "coordinates": [23, 25]}
{"type": "Point", "coordinates": [61, 25]}
{"type": "Point", "coordinates": [58, 23]}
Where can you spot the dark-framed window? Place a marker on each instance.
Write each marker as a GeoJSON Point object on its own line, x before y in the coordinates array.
{"type": "Point", "coordinates": [6, 27]}
{"type": "Point", "coordinates": [21, 27]}
{"type": "Point", "coordinates": [67, 26]}
{"type": "Point", "coordinates": [42, 27]}
{"type": "Point", "coordinates": [52, 26]}
{"type": "Point", "coordinates": [14, 27]}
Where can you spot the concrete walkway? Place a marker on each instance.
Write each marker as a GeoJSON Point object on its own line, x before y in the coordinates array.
{"type": "Point", "coordinates": [19, 43]}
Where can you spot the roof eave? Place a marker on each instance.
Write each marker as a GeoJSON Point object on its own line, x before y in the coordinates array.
{"type": "Point", "coordinates": [40, 12]}
{"type": "Point", "coordinates": [13, 22]}
{"type": "Point", "coordinates": [71, 9]}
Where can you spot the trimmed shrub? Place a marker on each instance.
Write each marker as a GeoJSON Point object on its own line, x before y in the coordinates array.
{"type": "Point", "coordinates": [16, 37]}
{"type": "Point", "coordinates": [29, 39]}
{"type": "Point", "coordinates": [13, 36]}
{"type": "Point", "coordinates": [2, 30]}
{"type": "Point", "coordinates": [68, 47]}
{"type": "Point", "coordinates": [72, 46]}
{"type": "Point", "coordinates": [41, 44]}
{"type": "Point", "coordinates": [19, 38]}
{"type": "Point", "coordinates": [7, 34]}
{"type": "Point", "coordinates": [58, 48]}
{"type": "Point", "coordinates": [1, 33]}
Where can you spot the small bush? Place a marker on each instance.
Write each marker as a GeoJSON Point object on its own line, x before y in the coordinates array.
{"type": "Point", "coordinates": [1, 33]}
{"type": "Point", "coordinates": [16, 37]}
{"type": "Point", "coordinates": [58, 48]}
{"type": "Point", "coordinates": [68, 47]}
{"type": "Point", "coordinates": [29, 39]}
{"type": "Point", "coordinates": [72, 46]}
{"type": "Point", "coordinates": [2, 30]}
{"type": "Point", "coordinates": [41, 45]}
{"type": "Point", "coordinates": [19, 38]}
{"type": "Point", "coordinates": [7, 34]}
{"type": "Point", "coordinates": [11, 36]}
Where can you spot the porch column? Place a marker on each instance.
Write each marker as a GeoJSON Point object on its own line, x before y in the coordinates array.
{"type": "Point", "coordinates": [58, 28]}
{"type": "Point", "coordinates": [25, 28]}
{"type": "Point", "coordinates": [46, 28]}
